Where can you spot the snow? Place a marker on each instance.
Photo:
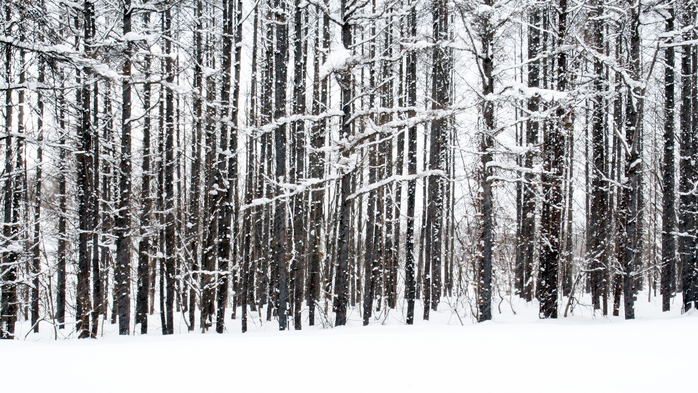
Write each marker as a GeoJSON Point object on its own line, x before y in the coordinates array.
{"type": "Point", "coordinates": [547, 95]}
{"type": "Point", "coordinates": [419, 45]}
{"type": "Point", "coordinates": [484, 10]}
{"type": "Point", "coordinates": [207, 71]}
{"type": "Point", "coordinates": [259, 201]}
{"type": "Point", "coordinates": [60, 48]}
{"type": "Point", "coordinates": [105, 71]}
{"type": "Point", "coordinates": [337, 60]}
{"type": "Point", "coordinates": [133, 36]}
{"type": "Point", "coordinates": [513, 353]}
{"type": "Point", "coordinates": [180, 89]}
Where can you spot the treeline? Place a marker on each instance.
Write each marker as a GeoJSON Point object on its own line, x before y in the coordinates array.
{"type": "Point", "coordinates": [203, 159]}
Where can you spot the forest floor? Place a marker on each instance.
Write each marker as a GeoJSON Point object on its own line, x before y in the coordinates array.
{"type": "Point", "coordinates": [657, 352]}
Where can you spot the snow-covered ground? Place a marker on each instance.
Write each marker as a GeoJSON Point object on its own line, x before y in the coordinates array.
{"type": "Point", "coordinates": [657, 352]}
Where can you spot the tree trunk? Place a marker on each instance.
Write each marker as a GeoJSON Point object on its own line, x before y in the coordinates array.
{"type": "Point", "coordinates": [298, 161]}
{"type": "Point", "coordinates": [97, 296]}
{"type": "Point", "coordinates": [123, 220]}
{"type": "Point", "coordinates": [8, 302]}
{"type": "Point", "coordinates": [250, 190]}
{"type": "Point", "coordinates": [36, 246]}
{"type": "Point", "coordinates": [144, 245]}
{"type": "Point", "coordinates": [668, 269]}
{"type": "Point", "coordinates": [344, 79]}
{"type": "Point", "coordinates": [223, 186]}
{"type": "Point", "coordinates": [441, 88]}
{"type": "Point", "coordinates": [316, 161]}
{"type": "Point", "coordinates": [268, 280]}
{"type": "Point", "coordinates": [528, 212]}
{"type": "Point", "coordinates": [552, 181]}
{"type": "Point", "coordinates": [208, 263]}
{"type": "Point", "coordinates": [170, 247]}
{"type": "Point", "coordinates": [85, 185]}
{"type": "Point", "coordinates": [634, 167]}
{"type": "Point", "coordinates": [61, 252]}
{"type": "Point", "coordinates": [487, 142]}
{"type": "Point", "coordinates": [280, 252]}
{"type": "Point", "coordinates": [687, 176]}
{"type": "Point", "coordinates": [411, 85]}
{"type": "Point", "coordinates": [598, 216]}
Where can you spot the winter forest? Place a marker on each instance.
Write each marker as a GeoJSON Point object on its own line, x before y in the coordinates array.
{"type": "Point", "coordinates": [334, 162]}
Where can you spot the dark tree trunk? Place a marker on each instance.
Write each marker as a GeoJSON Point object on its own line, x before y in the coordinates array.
{"type": "Point", "coordinates": [97, 296]}
{"type": "Point", "coordinates": [486, 144]}
{"type": "Point", "coordinates": [106, 202]}
{"type": "Point", "coordinates": [317, 140]}
{"type": "Point", "coordinates": [598, 209]}
{"type": "Point", "coordinates": [144, 245]}
{"type": "Point", "coordinates": [180, 270]}
{"type": "Point", "coordinates": [194, 226]}
{"type": "Point", "coordinates": [373, 234]}
{"type": "Point", "coordinates": [233, 193]}
{"type": "Point", "coordinates": [411, 85]}
{"type": "Point", "coordinates": [617, 203]}
{"type": "Point", "coordinates": [224, 187]}
{"type": "Point", "coordinates": [8, 302]}
{"type": "Point", "coordinates": [567, 123]}
{"type": "Point", "coordinates": [36, 246]}
{"type": "Point", "coordinates": [170, 247]}
{"type": "Point", "coordinates": [19, 197]}
{"type": "Point", "coordinates": [85, 163]}
{"type": "Point", "coordinates": [422, 264]}
{"type": "Point", "coordinates": [208, 264]}
{"type": "Point", "coordinates": [397, 213]}
{"type": "Point", "coordinates": [528, 212]}
{"type": "Point", "coordinates": [298, 170]}
{"type": "Point", "coordinates": [633, 168]}
{"type": "Point", "coordinates": [552, 182]}
{"type": "Point", "coordinates": [61, 252]}
{"type": "Point", "coordinates": [251, 189]}
{"type": "Point", "coordinates": [160, 206]}
{"type": "Point", "coordinates": [268, 280]}
{"type": "Point", "coordinates": [567, 273]}
{"type": "Point", "coordinates": [344, 79]}
{"type": "Point", "coordinates": [374, 224]}
{"type": "Point", "coordinates": [668, 174]}
{"type": "Point", "coordinates": [441, 88]}
{"type": "Point", "coordinates": [386, 92]}
{"type": "Point", "coordinates": [280, 252]}
{"type": "Point", "coordinates": [688, 172]}
{"type": "Point", "coordinates": [123, 220]}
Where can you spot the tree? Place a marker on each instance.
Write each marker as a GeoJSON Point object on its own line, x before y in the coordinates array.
{"type": "Point", "coordinates": [440, 128]}
{"type": "Point", "coordinates": [344, 80]}
{"type": "Point", "coordinates": [123, 222]}
{"type": "Point", "coordinates": [688, 203]}
{"type": "Point", "coordinates": [411, 86]}
{"type": "Point", "coordinates": [633, 172]}
{"type": "Point", "coordinates": [316, 164]}
{"type": "Point", "coordinates": [144, 245]}
{"type": "Point", "coordinates": [280, 145]}
{"type": "Point", "coordinates": [596, 248]}
{"type": "Point", "coordinates": [552, 182]}
{"type": "Point", "coordinates": [8, 302]}
{"type": "Point", "coordinates": [484, 29]}
{"type": "Point", "coordinates": [36, 245]}
{"type": "Point", "coordinates": [170, 247]}
{"type": "Point", "coordinates": [668, 172]}
{"type": "Point", "coordinates": [297, 170]}
{"type": "Point", "coordinates": [85, 162]}
{"type": "Point", "coordinates": [525, 280]}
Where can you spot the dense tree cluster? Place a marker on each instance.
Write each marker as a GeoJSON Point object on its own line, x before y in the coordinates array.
{"type": "Point", "coordinates": [305, 160]}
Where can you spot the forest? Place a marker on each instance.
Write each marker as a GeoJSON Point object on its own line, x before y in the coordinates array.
{"type": "Point", "coordinates": [318, 162]}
